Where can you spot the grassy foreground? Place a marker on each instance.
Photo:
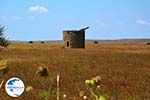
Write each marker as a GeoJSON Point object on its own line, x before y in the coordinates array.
{"type": "Point", "coordinates": [124, 69]}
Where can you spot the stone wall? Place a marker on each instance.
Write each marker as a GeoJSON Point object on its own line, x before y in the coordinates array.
{"type": "Point", "coordinates": [74, 39]}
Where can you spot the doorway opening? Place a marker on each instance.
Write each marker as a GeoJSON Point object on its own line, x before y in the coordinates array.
{"type": "Point", "coordinates": [68, 44]}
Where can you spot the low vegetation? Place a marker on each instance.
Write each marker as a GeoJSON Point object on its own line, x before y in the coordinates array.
{"type": "Point", "coordinates": [124, 71]}
{"type": "Point", "coordinates": [31, 42]}
{"type": "Point", "coordinates": [95, 42]}
{"type": "Point", "coordinates": [4, 67]}
{"type": "Point", "coordinates": [42, 71]}
{"type": "Point", "coordinates": [45, 95]}
{"type": "Point", "coordinates": [3, 41]}
{"type": "Point", "coordinates": [147, 43]}
{"type": "Point", "coordinates": [94, 87]}
{"type": "Point", "coordinates": [42, 42]}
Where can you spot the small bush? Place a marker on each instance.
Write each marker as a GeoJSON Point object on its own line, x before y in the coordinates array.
{"type": "Point", "coordinates": [42, 71]}
{"type": "Point", "coordinates": [31, 42]}
{"type": "Point", "coordinates": [44, 95]}
{"type": "Point", "coordinates": [148, 43]}
{"type": "Point", "coordinates": [95, 42]}
{"type": "Point", "coordinates": [3, 41]}
{"type": "Point", "coordinates": [94, 87]}
{"type": "Point", "coordinates": [42, 42]}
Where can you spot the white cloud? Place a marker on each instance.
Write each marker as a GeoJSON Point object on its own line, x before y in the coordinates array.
{"type": "Point", "coordinates": [38, 9]}
{"type": "Point", "coordinates": [143, 22]}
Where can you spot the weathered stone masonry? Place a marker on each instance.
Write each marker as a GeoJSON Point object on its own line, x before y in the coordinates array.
{"type": "Point", "coordinates": [74, 38]}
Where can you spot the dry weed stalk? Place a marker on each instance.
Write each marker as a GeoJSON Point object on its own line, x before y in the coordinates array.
{"type": "Point", "coordinates": [58, 77]}
{"type": "Point", "coordinates": [1, 84]}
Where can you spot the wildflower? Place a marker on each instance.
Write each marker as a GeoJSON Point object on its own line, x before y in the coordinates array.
{"type": "Point", "coordinates": [64, 96]}
{"type": "Point", "coordinates": [29, 88]}
{"type": "Point", "coordinates": [101, 98]}
{"type": "Point", "coordinates": [98, 86]}
{"type": "Point", "coordinates": [81, 93]}
{"type": "Point", "coordinates": [84, 97]}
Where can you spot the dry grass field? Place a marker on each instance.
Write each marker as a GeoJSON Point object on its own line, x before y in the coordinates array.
{"type": "Point", "coordinates": [124, 69]}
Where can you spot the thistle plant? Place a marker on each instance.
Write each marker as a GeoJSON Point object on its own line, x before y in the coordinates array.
{"type": "Point", "coordinates": [93, 86]}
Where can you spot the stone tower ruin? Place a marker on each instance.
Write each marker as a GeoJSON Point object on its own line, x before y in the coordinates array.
{"type": "Point", "coordinates": [74, 38]}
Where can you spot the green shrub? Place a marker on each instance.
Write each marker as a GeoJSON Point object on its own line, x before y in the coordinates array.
{"type": "Point", "coordinates": [42, 42]}
{"type": "Point", "coordinates": [93, 86]}
{"type": "Point", "coordinates": [95, 42]}
{"type": "Point", "coordinates": [3, 41]}
{"type": "Point", "coordinates": [31, 42]}
{"type": "Point", "coordinates": [148, 43]}
{"type": "Point", "coordinates": [44, 95]}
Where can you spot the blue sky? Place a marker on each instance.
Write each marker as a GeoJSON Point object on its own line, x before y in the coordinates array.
{"type": "Point", "coordinates": [46, 19]}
